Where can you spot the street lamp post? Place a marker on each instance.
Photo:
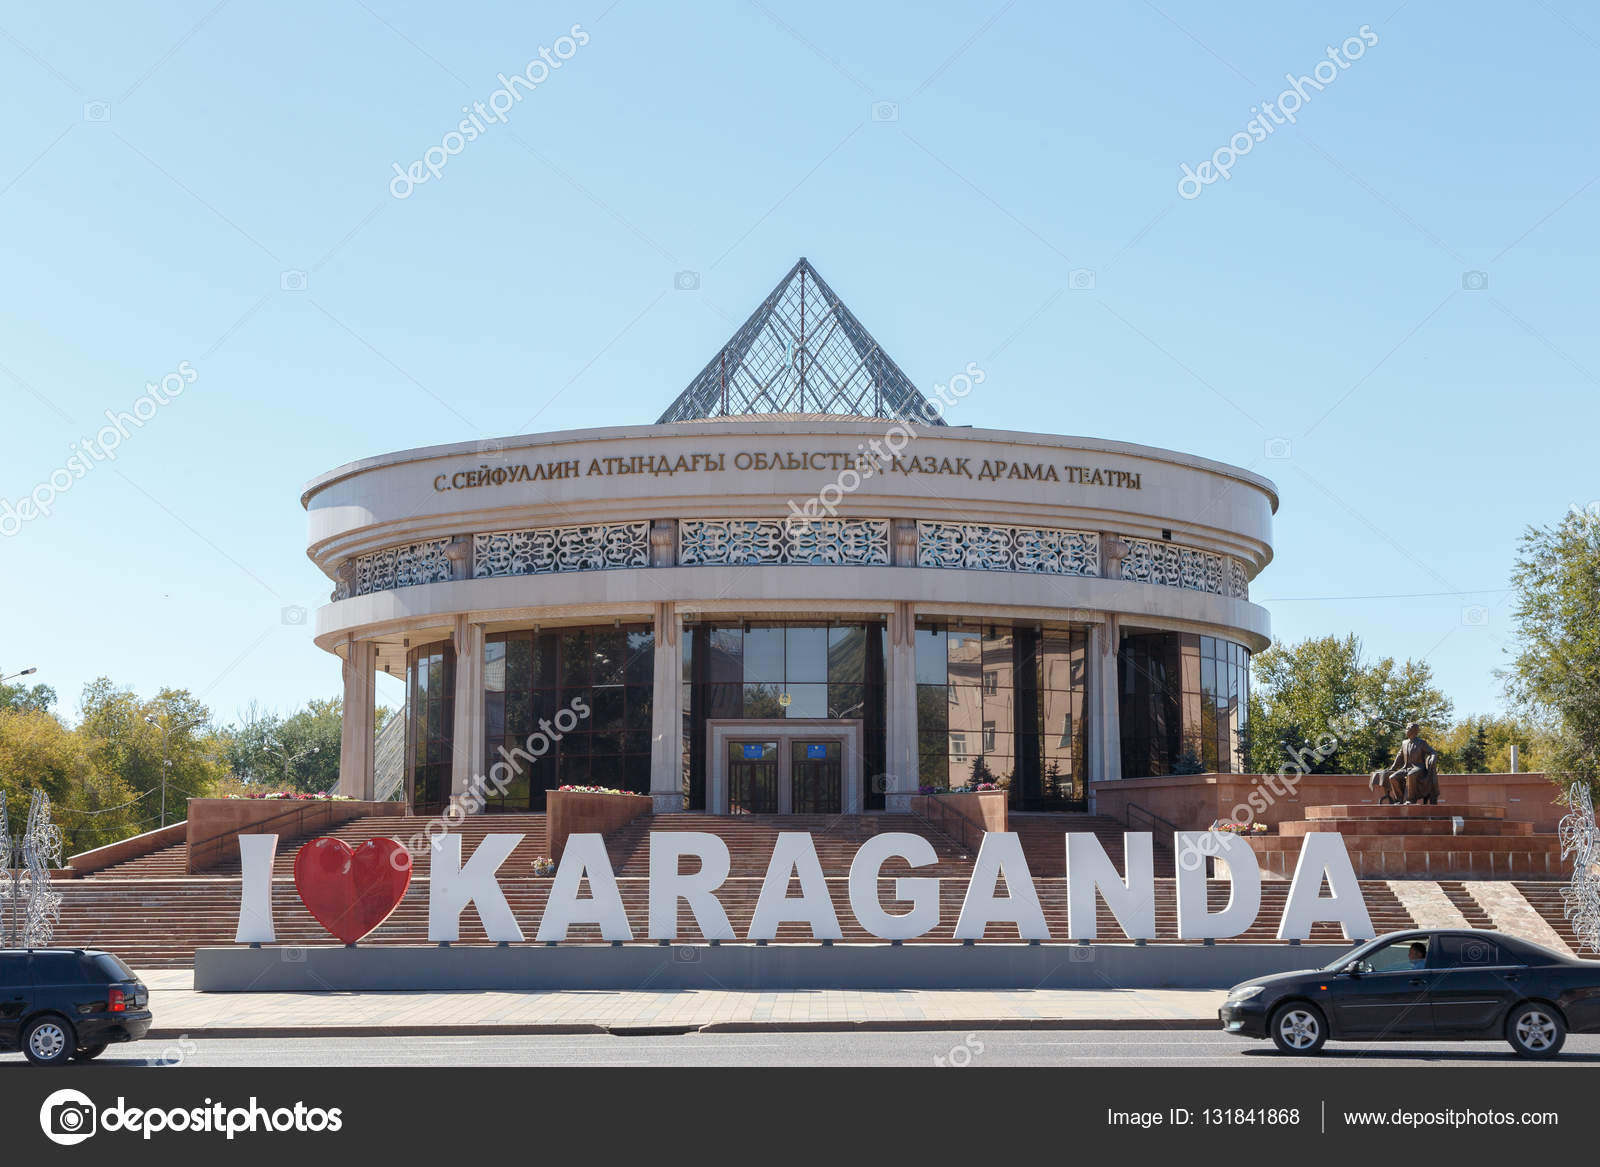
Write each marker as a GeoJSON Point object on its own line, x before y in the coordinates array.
{"type": "Point", "coordinates": [289, 760]}
{"type": "Point", "coordinates": [14, 676]}
{"type": "Point", "coordinates": [166, 737]}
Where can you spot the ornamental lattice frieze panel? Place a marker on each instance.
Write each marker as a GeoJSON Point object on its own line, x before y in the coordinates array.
{"type": "Point", "coordinates": [774, 542]}
{"type": "Point", "coordinates": [401, 567]}
{"type": "Point", "coordinates": [984, 547]}
{"type": "Point", "coordinates": [543, 550]}
{"type": "Point", "coordinates": [1185, 567]}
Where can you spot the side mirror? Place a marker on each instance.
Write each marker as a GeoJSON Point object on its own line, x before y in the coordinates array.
{"type": "Point", "coordinates": [1353, 969]}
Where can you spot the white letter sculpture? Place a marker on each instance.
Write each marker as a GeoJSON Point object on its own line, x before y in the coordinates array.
{"type": "Point", "coordinates": [1195, 919]}
{"type": "Point", "coordinates": [999, 854]}
{"type": "Point", "coordinates": [256, 853]}
{"type": "Point", "coordinates": [1090, 870]}
{"type": "Point", "coordinates": [668, 885]}
{"type": "Point", "coordinates": [585, 855]}
{"type": "Point", "coordinates": [451, 887]}
{"type": "Point", "coordinates": [794, 854]}
{"type": "Point", "coordinates": [1323, 854]}
{"type": "Point", "coordinates": [923, 893]}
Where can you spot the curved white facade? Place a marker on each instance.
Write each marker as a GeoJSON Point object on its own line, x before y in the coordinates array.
{"type": "Point", "coordinates": [786, 519]}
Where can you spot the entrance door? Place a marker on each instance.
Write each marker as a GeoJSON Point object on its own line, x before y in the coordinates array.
{"type": "Point", "coordinates": [816, 777]}
{"type": "Point", "coordinates": [752, 777]}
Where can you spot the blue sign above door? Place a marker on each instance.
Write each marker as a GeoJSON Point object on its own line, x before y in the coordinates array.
{"type": "Point", "coordinates": [754, 750]}
{"type": "Point", "coordinates": [816, 750]}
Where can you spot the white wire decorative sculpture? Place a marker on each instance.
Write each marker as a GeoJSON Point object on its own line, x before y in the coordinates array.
{"type": "Point", "coordinates": [29, 906]}
{"type": "Point", "coordinates": [1581, 840]}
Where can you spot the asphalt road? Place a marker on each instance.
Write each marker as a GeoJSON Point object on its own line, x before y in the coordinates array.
{"type": "Point", "coordinates": [960, 1048]}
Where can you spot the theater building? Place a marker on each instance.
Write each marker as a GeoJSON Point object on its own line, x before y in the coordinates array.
{"type": "Point", "coordinates": [806, 588]}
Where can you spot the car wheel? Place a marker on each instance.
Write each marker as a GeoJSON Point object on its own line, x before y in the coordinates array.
{"type": "Point", "coordinates": [1535, 1030]}
{"type": "Point", "coordinates": [1298, 1028]}
{"type": "Point", "coordinates": [47, 1041]}
{"type": "Point", "coordinates": [88, 1053]}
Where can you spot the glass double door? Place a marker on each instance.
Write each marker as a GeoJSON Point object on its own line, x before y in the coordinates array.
{"type": "Point", "coordinates": [786, 776]}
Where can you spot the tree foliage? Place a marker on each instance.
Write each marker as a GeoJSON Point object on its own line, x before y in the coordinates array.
{"type": "Point", "coordinates": [1321, 706]}
{"type": "Point", "coordinates": [1555, 676]}
{"type": "Point", "coordinates": [104, 775]}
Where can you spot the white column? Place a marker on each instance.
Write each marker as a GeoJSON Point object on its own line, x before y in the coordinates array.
{"type": "Point", "coordinates": [1105, 727]}
{"type": "Point", "coordinates": [666, 712]}
{"type": "Point", "coordinates": [356, 734]}
{"type": "Point", "coordinates": [901, 728]}
{"type": "Point", "coordinates": [469, 743]}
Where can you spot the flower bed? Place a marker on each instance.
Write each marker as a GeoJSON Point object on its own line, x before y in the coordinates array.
{"type": "Point", "coordinates": [296, 796]}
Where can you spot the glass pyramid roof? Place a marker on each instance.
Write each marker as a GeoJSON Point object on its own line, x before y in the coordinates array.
{"type": "Point", "coordinates": [801, 352]}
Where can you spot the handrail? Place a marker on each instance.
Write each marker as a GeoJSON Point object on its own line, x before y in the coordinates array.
{"type": "Point", "coordinates": [1154, 818]}
{"type": "Point", "coordinates": [945, 814]}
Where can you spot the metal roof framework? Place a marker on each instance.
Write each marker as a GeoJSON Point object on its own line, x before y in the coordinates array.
{"type": "Point", "coordinates": [801, 351]}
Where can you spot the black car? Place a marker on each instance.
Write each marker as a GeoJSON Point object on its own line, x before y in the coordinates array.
{"type": "Point", "coordinates": [60, 1003]}
{"type": "Point", "coordinates": [1442, 985]}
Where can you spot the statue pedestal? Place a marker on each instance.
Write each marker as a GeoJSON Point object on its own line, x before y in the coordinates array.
{"type": "Point", "coordinates": [1448, 841]}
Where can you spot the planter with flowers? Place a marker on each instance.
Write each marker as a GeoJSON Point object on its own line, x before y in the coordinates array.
{"type": "Point", "coordinates": [579, 810]}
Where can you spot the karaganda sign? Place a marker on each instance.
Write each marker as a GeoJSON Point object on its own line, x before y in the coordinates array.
{"type": "Point", "coordinates": [1091, 876]}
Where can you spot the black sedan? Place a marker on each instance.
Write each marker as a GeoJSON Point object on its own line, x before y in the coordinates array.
{"type": "Point", "coordinates": [1444, 985]}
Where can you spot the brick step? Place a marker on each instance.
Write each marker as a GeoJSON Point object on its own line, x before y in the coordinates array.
{"type": "Point", "coordinates": [1428, 827]}
{"type": "Point", "coordinates": [1372, 810]}
{"type": "Point", "coordinates": [1455, 891]}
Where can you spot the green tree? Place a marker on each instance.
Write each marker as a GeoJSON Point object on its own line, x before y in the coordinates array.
{"type": "Point", "coordinates": [1321, 706]}
{"type": "Point", "coordinates": [1473, 757]}
{"type": "Point", "coordinates": [1555, 676]}
{"type": "Point", "coordinates": [298, 752]}
{"type": "Point", "coordinates": [38, 752]}
{"type": "Point", "coordinates": [30, 697]}
{"type": "Point", "coordinates": [140, 740]}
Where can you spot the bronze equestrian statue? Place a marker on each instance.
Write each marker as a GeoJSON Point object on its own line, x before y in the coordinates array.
{"type": "Point", "coordinates": [1414, 775]}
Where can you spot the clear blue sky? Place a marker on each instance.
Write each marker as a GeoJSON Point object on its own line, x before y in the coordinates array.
{"type": "Point", "coordinates": [168, 163]}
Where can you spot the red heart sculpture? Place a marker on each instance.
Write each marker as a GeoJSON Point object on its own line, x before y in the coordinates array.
{"type": "Point", "coordinates": [352, 891]}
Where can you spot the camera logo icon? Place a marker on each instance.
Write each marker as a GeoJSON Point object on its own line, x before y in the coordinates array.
{"type": "Point", "coordinates": [293, 280]}
{"type": "Point", "coordinates": [686, 954]}
{"type": "Point", "coordinates": [67, 1117]}
{"type": "Point", "coordinates": [97, 111]}
{"type": "Point", "coordinates": [686, 281]}
{"type": "Point", "coordinates": [1475, 952]}
{"type": "Point", "coordinates": [1475, 616]}
{"type": "Point", "coordinates": [1278, 449]}
{"type": "Point", "coordinates": [885, 111]}
{"type": "Point", "coordinates": [1081, 279]}
{"type": "Point", "coordinates": [293, 614]}
{"type": "Point", "coordinates": [1474, 281]}
{"type": "Point", "coordinates": [1081, 954]}
{"type": "Point", "coordinates": [292, 954]}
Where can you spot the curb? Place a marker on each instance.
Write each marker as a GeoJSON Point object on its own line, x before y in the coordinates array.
{"type": "Point", "coordinates": [626, 1030]}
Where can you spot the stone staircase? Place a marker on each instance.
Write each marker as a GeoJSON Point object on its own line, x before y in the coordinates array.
{"type": "Point", "coordinates": [1458, 895]}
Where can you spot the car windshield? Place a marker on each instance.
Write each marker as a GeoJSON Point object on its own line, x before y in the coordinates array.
{"type": "Point", "coordinates": [1360, 951]}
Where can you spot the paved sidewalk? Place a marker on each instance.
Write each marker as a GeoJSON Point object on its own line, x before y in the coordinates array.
{"type": "Point", "coordinates": [179, 1010]}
